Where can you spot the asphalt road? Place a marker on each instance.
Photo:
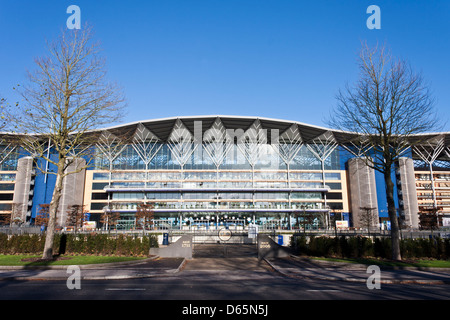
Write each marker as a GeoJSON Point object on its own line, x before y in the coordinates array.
{"type": "Point", "coordinates": [213, 285]}
{"type": "Point", "coordinates": [214, 277]}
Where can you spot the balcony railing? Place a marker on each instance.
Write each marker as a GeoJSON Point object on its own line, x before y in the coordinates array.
{"type": "Point", "coordinates": [220, 207]}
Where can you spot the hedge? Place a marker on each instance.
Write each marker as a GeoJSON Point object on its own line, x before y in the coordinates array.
{"type": "Point", "coordinates": [361, 247]}
{"type": "Point", "coordinates": [80, 244]}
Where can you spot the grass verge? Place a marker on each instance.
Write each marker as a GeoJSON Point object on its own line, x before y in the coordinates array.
{"type": "Point", "coordinates": [34, 260]}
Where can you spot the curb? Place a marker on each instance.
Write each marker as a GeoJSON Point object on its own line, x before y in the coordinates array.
{"type": "Point", "coordinates": [162, 273]}
{"type": "Point", "coordinates": [84, 266]}
{"type": "Point", "coordinates": [385, 267]}
{"type": "Point", "coordinates": [296, 276]}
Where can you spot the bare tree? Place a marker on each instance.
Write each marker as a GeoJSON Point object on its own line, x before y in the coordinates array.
{"type": "Point", "coordinates": [387, 107]}
{"type": "Point", "coordinates": [144, 215]}
{"type": "Point", "coordinates": [67, 96]}
{"type": "Point", "coordinates": [17, 214]}
{"type": "Point", "coordinates": [42, 215]}
{"type": "Point", "coordinates": [109, 219]}
{"type": "Point", "coordinates": [76, 215]}
{"type": "Point", "coordinates": [429, 219]}
{"type": "Point", "coordinates": [7, 115]}
{"type": "Point", "coordinates": [3, 112]}
{"type": "Point", "coordinates": [305, 219]}
{"type": "Point", "coordinates": [368, 217]}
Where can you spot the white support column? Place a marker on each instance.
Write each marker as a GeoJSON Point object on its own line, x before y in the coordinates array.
{"type": "Point", "coordinates": [428, 152]}
{"type": "Point", "coordinates": [322, 147]}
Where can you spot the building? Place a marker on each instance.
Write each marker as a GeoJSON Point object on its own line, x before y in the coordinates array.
{"type": "Point", "coordinates": [211, 170]}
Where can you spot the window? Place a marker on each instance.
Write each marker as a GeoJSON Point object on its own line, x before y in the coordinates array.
{"type": "Point", "coordinates": [99, 185]}
{"type": "Point", "coordinates": [128, 196]}
{"type": "Point", "coordinates": [100, 176]}
{"type": "Point", "coordinates": [99, 196]}
{"type": "Point", "coordinates": [6, 186]}
{"type": "Point", "coordinates": [6, 196]}
{"type": "Point", "coordinates": [7, 177]}
{"type": "Point", "coordinates": [334, 186]}
{"type": "Point", "coordinates": [332, 176]}
{"type": "Point", "coordinates": [334, 196]}
{"type": "Point", "coordinates": [128, 176]}
{"type": "Point", "coordinates": [5, 206]}
{"type": "Point", "coordinates": [98, 206]}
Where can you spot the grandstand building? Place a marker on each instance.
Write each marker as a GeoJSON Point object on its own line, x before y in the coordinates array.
{"type": "Point", "coordinates": [213, 170]}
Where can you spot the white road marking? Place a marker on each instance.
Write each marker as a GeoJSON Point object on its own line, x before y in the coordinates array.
{"type": "Point", "coordinates": [125, 289]}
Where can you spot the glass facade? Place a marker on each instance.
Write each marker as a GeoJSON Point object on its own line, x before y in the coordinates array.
{"type": "Point", "coordinates": [247, 169]}
{"type": "Point", "coordinates": [263, 187]}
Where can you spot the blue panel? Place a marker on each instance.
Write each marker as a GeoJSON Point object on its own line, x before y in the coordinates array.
{"type": "Point", "coordinates": [381, 193]}
{"type": "Point", "coordinates": [43, 191]}
{"type": "Point", "coordinates": [344, 156]}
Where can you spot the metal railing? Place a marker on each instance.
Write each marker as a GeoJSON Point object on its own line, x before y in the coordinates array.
{"type": "Point", "coordinates": [12, 230]}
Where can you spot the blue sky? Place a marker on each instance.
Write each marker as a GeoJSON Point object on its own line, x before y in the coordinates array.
{"type": "Point", "coordinates": [269, 58]}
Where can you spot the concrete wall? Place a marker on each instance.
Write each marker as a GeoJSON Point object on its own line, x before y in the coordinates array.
{"type": "Point", "coordinates": [363, 192]}
{"type": "Point", "coordinates": [22, 198]}
{"type": "Point", "coordinates": [73, 189]}
{"type": "Point", "coordinates": [182, 248]}
{"type": "Point", "coordinates": [407, 193]}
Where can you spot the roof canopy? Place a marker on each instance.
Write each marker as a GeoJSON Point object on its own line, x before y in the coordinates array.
{"type": "Point", "coordinates": [162, 130]}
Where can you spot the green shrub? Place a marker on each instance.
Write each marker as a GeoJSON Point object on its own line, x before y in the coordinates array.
{"type": "Point", "coordinates": [360, 247]}
{"type": "Point", "coordinates": [299, 245]}
{"type": "Point", "coordinates": [79, 244]}
{"type": "Point", "coordinates": [321, 246]}
{"type": "Point", "coordinates": [382, 248]}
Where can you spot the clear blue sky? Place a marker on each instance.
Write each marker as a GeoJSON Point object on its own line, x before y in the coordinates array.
{"type": "Point", "coordinates": [269, 58]}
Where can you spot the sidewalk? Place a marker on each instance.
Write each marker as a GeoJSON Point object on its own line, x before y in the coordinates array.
{"type": "Point", "coordinates": [292, 267]}
{"type": "Point", "coordinates": [152, 267]}
{"type": "Point", "coordinates": [304, 268]}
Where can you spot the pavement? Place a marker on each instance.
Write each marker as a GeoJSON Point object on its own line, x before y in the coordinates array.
{"type": "Point", "coordinates": [238, 261]}
{"type": "Point", "coordinates": [151, 267]}
{"type": "Point", "coordinates": [304, 268]}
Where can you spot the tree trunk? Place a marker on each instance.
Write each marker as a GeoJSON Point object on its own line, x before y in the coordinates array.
{"type": "Point", "coordinates": [53, 210]}
{"type": "Point", "coordinates": [395, 231]}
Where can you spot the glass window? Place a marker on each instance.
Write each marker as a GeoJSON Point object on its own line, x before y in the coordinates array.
{"type": "Point", "coordinates": [334, 196]}
{"type": "Point", "coordinates": [6, 186]}
{"type": "Point", "coordinates": [127, 184]}
{"type": "Point", "coordinates": [230, 175]}
{"type": "Point", "coordinates": [336, 205]}
{"type": "Point", "coordinates": [97, 206]}
{"type": "Point", "coordinates": [128, 175]}
{"type": "Point", "coordinates": [128, 160]}
{"type": "Point", "coordinates": [306, 195]}
{"type": "Point", "coordinates": [99, 196]}
{"type": "Point", "coordinates": [332, 176]}
{"type": "Point", "coordinates": [5, 206]}
{"type": "Point", "coordinates": [271, 184]}
{"type": "Point", "coordinates": [100, 176]}
{"type": "Point", "coordinates": [7, 177]}
{"type": "Point", "coordinates": [99, 185]}
{"type": "Point", "coordinates": [199, 195]}
{"type": "Point", "coordinates": [10, 162]}
{"type": "Point", "coordinates": [270, 175]}
{"type": "Point", "coordinates": [6, 196]}
{"type": "Point", "coordinates": [306, 184]}
{"type": "Point", "coordinates": [306, 176]}
{"type": "Point", "coordinates": [128, 196]}
{"type": "Point", "coordinates": [334, 186]}
{"type": "Point", "coordinates": [272, 195]}
{"type": "Point", "coordinates": [235, 195]}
